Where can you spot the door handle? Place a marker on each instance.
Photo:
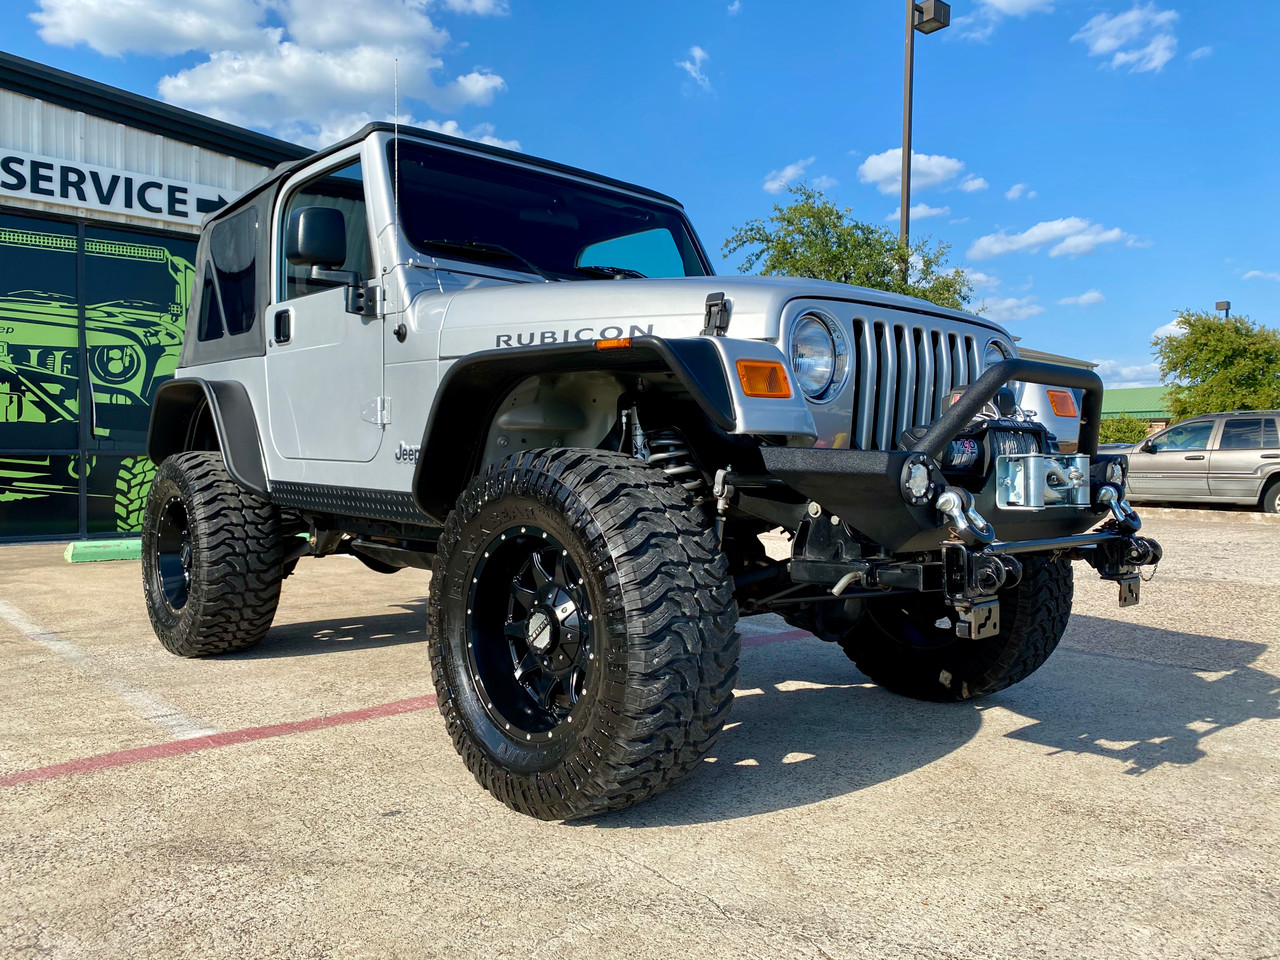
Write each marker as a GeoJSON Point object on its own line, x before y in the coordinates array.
{"type": "Point", "coordinates": [1194, 456]}
{"type": "Point", "coordinates": [284, 326]}
{"type": "Point", "coordinates": [1271, 456]}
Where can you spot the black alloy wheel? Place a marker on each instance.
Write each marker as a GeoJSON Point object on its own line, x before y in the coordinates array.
{"type": "Point", "coordinates": [530, 623]}
{"type": "Point", "coordinates": [174, 554]}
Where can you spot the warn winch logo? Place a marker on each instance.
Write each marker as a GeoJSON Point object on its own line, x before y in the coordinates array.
{"type": "Point", "coordinates": [581, 335]}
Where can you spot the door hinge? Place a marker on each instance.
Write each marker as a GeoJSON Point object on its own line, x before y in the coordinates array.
{"type": "Point", "coordinates": [378, 294]}
{"type": "Point", "coordinates": [717, 317]}
{"type": "Point", "coordinates": [377, 410]}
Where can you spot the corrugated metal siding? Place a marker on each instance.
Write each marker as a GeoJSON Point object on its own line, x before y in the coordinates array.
{"type": "Point", "coordinates": [36, 127]}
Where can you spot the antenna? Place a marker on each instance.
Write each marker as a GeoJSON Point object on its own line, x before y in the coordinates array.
{"type": "Point", "coordinates": [395, 120]}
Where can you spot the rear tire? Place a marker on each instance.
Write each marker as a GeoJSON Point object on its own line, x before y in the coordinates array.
{"type": "Point", "coordinates": [905, 649]}
{"type": "Point", "coordinates": [1271, 497]}
{"type": "Point", "coordinates": [582, 632]}
{"type": "Point", "coordinates": [211, 558]}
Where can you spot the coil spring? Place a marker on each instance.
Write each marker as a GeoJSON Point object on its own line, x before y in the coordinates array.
{"type": "Point", "coordinates": [669, 453]}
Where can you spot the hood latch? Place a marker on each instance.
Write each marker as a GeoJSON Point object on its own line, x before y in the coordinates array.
{"type": "Point", "coordinates": [717, 320]}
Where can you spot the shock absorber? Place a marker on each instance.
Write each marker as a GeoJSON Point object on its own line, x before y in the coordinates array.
{"type": "Point", "coordinates": [669, 452]}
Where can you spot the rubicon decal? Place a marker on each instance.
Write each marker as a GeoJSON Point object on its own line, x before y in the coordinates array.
{"type": "Point", "coordinates": [89, 187]}
{"type": "Point", "coordinates": [528, 338]}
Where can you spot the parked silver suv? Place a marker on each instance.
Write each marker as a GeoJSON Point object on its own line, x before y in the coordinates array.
{"type": "Point", "coordinates": [1216, 458]}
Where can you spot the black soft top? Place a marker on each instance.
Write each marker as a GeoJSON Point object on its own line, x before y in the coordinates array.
{"type": "Point", "coordinates": [273, 179]}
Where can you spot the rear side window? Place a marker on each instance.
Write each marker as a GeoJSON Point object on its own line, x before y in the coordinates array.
{"type": "Point", "coordinates": [1250, 434]}
{"type": "Point", "coordinates": [227, 297]}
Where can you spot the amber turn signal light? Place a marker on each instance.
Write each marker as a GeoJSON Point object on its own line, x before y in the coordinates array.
{"type": "Point", "coordinates": [1063, 403]}
{"type": "Point", "coordinates": [619, 344]}
{"type": "Point", "coordinates": [764, 378]}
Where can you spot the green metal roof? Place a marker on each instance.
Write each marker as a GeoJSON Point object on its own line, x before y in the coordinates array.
{"type": "Point", "coordinates": [1146, 403]}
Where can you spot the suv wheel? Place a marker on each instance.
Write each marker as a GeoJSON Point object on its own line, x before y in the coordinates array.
{"type": "Point", "coordinates": [1271, 497]}
{"type": "Point", "coordinates": [582, 632]}
{"type": "Point", "coordinates": [903, 645]}
{"type": "Point", "coordinates": [211, 558]}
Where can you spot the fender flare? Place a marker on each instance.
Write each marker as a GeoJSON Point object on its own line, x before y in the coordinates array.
{"type": "Point", "coordinates": [179, 403]}
{"type": "Point", "coordinates": [469, 393]}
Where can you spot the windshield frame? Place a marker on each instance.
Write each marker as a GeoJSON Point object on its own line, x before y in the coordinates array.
{"type": "Point", "coordinates": [513, 271]}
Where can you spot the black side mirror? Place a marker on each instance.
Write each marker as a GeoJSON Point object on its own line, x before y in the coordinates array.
{"type": "Point", "coordinates": [1146, 446]}
{"type": "Point", "coordinates": [316, 237]}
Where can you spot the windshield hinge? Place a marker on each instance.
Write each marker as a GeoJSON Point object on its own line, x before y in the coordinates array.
{"type": "Point", "coordinates": [377, 410]}
{"type": "Point", "coordinates": [717, 320]}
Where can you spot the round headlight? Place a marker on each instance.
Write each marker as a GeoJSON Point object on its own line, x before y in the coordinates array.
{"type": "Point", "coordinates": [995, 353]}
{"type": "Point", "coordinates": [819, 359]}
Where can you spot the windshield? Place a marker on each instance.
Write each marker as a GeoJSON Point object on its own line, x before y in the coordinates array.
{"type": "Point", "coordinates": [462, 207]}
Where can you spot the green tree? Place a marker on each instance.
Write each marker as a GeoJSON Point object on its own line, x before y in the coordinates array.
{"type": "Point", "coordinates": [1212, 364]}
{"type": "Point", "coordinates": [812, 237]}
{"type": "Point", "coordinates": [1122, 429]}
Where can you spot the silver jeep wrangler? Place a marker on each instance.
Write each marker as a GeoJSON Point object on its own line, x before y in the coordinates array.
{"type": "Point", "coordinates": [385, 357]}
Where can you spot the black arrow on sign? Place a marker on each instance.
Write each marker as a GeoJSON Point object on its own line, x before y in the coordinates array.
{"type": "Point", "coordinates": [204, 205]}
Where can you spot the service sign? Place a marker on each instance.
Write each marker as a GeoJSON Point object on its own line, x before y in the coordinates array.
{"type": "Point", "coordinates": [91, 189]}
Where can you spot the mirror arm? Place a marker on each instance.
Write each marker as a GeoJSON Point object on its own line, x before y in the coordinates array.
{"type": "Point", "coordinates": [349, 279]}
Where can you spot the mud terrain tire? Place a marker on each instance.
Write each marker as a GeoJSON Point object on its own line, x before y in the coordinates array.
{"type": "Point", "coordinates": [582, 632]}
{"type": "Point", "coordinates": [903, 651]}
{"type": "Point", "coordinates": [211, 558]}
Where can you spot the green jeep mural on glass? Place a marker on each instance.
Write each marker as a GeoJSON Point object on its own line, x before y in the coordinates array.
{"type": "Point", "coordinates": [130, 345]}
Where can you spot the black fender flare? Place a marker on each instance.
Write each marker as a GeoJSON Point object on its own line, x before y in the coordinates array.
{"type": "Point", "coordinates": [173, 414]}
{"type": "Point", "coordinates": [469, 393]}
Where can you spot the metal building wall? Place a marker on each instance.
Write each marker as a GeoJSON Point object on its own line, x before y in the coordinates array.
{"type": "Point", "coordinates": [55, 131]}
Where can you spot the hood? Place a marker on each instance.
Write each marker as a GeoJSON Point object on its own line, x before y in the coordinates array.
{"type": "Point", "coordinates": [523, 314]}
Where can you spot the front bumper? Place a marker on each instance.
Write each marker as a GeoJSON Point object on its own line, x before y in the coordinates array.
{"type": "Point", "coordinates": [870, 529]}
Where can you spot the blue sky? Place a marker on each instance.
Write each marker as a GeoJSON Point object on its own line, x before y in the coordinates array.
{"type": "Point", "coordinates": [1144, 135]}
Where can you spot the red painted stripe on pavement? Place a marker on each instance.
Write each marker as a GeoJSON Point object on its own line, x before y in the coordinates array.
{"type": "Point", "coordinates": [173, 748]}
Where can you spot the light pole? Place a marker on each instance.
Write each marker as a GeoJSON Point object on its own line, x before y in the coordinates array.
{"type": "Point", "coordinates": [928, 16]}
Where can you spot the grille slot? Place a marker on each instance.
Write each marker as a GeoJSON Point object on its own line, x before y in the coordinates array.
{"type": "Point", "coordinates": [904, 375]}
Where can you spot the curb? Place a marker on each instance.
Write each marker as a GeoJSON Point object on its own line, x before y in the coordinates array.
{"type": "Point", "coordinates": [83, 551]}
{"type": "Point", "coordinates": [1219, 515]}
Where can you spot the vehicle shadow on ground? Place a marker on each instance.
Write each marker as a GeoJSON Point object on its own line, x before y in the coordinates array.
{"type": "Point", "coordinates": [818, 729]}
{"type": "Point", "coordinates": [407, 625]}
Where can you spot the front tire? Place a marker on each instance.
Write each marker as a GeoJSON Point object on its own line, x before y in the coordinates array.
{"type": "Point", "coordinates": [903, 646]}
{"type": "Point", "coordinates": [1271, 497]}
{"type": "Point", "coordinates": [211, 558]}
{"type": "Point", "coordinates": [582, 632]}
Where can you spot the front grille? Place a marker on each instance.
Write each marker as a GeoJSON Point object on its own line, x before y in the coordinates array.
{"type": "Point", "coordinates": [904, 374]}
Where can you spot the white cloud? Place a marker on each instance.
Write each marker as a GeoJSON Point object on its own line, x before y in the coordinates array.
{"type": "Point", "coordinates": [982, 281]}
{"type": "Point", "coordinates": [927, 170]}
{"type": "Point", "coordinates": [1118, 374]}
{"type": "Point", "coordinates": [1090, 298]}
{"type": "Point", "coordinates": [735, 8]}
{"type": "Point", "coordinates": [1141, 39]}
{"type": "Point", "coordinates": [981, 24]}
{"type": "Point", "coordinates": [1262, 275]}
{"type": "Point", "coordinates": [972, 184]}
{"type": "Point", "coordinates": [920, 211]}
{"type": "Point", "coordinates": [1199, 52]}
{"type": "Point", "coordinates": [825, 183]}
{"type": "Point", "coordinates": [778, 180]}
{"type": "Point", "coordinates": [1020, 191]}
{"type": "Point", "coordinates": [1070, 236]}
{"type": "Point", "coordinates": [482, 132]}
{"type": "Point", "coordinates": [1005, 309]}
{"type": "Point", "coordinates": [693, 67]}
{"type": "Point", "coordinates": [299, 68]}
{"type": "Point", "coordinates": [1170, 329]}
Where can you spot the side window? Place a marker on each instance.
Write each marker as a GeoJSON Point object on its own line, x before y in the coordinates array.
{"type": "Point", "coordinates": [209, 326]}
{"type": "Point", "coordinates": [1185, 436]}
{"type": "Point", "coordinates": [233, 245]}
{"type": "Point", "coordinates": [343, 189]}
{"type": "Point", "coordinates": [1251, 434]}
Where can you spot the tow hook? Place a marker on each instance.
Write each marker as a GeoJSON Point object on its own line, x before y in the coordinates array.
{"type": "Point", "coordinates": [956, 504]}
{"type": "Point", "coordinates": [1121, 512]}
{"type": "Point", "coordinates": [1119, 560]}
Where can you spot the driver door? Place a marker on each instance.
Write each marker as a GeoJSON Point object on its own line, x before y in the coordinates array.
{"type": "Point", "coordinates": [1174, 465]}
{"type": "Point", "coordinates": [325, 365]}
